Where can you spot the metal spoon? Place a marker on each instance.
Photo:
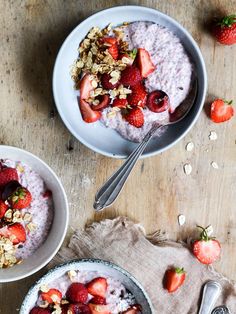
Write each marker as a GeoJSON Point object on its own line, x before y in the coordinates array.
{"type": "Point", "coordinates": [211, 292]}
{"type": "Point", "coordinates": [108, 193]}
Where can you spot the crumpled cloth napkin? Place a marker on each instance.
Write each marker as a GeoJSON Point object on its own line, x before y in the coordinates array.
{"type": "Point", "coordinates": [124, 243]}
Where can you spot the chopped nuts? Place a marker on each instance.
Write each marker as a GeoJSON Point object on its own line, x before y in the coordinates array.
{"type": "Point", "coordinates": [71, 274]}
{"type": "Point", "coordinates": [7, 253]}
{"type": "Point", "coordinates": [31, 227]}
{"type": "Point", "coordinates": [44, 288]}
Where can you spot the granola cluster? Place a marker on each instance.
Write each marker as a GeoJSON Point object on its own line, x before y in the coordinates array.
{"type": "Point", "coordinates": [94, 59]}
{"type": "Point", "coordinates": [7, 246]}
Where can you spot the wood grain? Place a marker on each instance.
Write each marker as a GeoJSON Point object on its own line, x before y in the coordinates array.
{"type": "Point", "coordinates": [32, 31]}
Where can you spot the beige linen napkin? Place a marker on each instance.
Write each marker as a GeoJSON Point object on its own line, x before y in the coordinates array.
{"type": "Point", "coordinates": [147, 258]}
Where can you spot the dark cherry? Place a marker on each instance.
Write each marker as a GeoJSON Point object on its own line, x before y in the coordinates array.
{"type": "Point", "coordinates": [9, 188]}
{"type": "Point", "coordinates": [158, 101]}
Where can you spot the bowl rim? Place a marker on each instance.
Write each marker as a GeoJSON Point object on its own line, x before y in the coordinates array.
{"type": "Point", "coordinates": [79, 262]}
{"type": "Point", "coordinates": [66, 221]}
{"type": "Point", "coordinates": [113, 9]}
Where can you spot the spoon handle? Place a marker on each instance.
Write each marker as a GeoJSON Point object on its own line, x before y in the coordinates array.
{"type": "Point", "coordinates": [211, 292]}
{"type": "Point", "coordinates": [113, 186]}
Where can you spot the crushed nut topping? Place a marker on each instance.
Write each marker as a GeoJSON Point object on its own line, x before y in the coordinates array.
{"type": "Point", "coordinates": [7, 253]}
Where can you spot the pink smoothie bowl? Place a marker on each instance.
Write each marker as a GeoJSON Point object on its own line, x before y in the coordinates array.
{"type": "Point", "coordinates": [58, 229]}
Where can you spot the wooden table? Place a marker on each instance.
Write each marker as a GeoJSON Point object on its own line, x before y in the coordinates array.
{"type": "Point", "coordinates": [32, 31]}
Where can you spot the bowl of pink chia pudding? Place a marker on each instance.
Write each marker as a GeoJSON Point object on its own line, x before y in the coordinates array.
{"type": "Point", "coordinates": [177, 60]}
{"type": "Point", "coordinates": [122, 293]}
{"type": "Point", "coordinates": [29, 236]}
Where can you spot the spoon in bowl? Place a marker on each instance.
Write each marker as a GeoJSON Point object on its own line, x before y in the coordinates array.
{"type": "Point", "coordinates": [108, 193]}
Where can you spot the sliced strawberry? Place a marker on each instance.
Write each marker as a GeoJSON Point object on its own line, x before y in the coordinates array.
{"type": "Point", "coordinates": [130, 76]}
{"type": "Point", "coordinates": [221, 110]}
{"type": "Point", "coordinates": [120, 103]}
{"type": "Point", "coordinates": [7, 174]}
{"type": "Point", "coordinates": [135, 117]}
{"type": "Point", "coordinates": [104, 101]}
{"type": "Point", "coordinates": [174, 278]}
{"type": "Point", "coordinates": [206, 249]}
{"type": "Point", "coordinates": [20, 199]}
{"type": "Point", "coordinates": [138, 97]}
{"type": "Point", "coordinates": [86, 86]}
{"type": "Point", "coordinates": [105, 78]}
{"type": "Point", "coordinates": [112, 46]}
{"type": "Point", "coordinates": [3, 208]}
{"type": "Point", "coordinates": [98, 300]}
{"type": "Point", "coordinates": [39, 310]}
{"type": "Point", "coordinates": [52, 296]}
{"type": "Point", "coordinates": [158, 101]}
{"type": "Point", "coordinates": [87, 113]}
{"type": "Point", "coordinates": [98, 287]}
{"type": "Point", "coordinates": [77, 292]}
{"type": "Point", "coordinates": [16, 233]}
{"type": "Point", "coordinates": [144, 62]}
{"type": "Point", "coordinates": [99, 309]}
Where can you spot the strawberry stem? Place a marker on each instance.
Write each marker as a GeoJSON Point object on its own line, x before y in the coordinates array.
{"type": "Point", "coordinates": [179, 271]}
{"type": "Point", "coordinates": [203, 235]}
{"type": "Point", "coordinates": [227, 21]}
{"type": "Point", "coordinates": [229, 102]}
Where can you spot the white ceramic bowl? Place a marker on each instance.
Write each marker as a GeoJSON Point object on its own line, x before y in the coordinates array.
{"type": "Point", "coordinates": [95, 136]}
{"type": "Point", "coordinates": [60, 220]}
{"type": "Point", "coordinates": [102, 267]}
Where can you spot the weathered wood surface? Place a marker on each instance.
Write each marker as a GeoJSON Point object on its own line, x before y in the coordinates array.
{"type": "Point", "coordinates": [158, 190]}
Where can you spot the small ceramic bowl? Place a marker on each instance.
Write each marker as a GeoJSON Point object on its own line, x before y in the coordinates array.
{"type": "Point", "coordinates": [102, 267]}
{"type": "Point", "coordinates": [60, 219]}
{"type": "Point", "coordinates": [94, 135]}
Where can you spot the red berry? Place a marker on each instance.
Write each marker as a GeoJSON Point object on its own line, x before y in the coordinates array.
{"type": "Point", "coordinates": [221, 110]}
{"type": "Point", "coordinates": [225, 30]}
{"type": "Point", "coordinates": [138, 97]}
{"type": "Point", "coordinates": [98, 287]}
{"type": "Point", "coordinates": [39, 310]}
{"type": "Point", "coordinates": [206, 249]}
{"type": "Point", "coordinates": [98, 300]}
{"type": "Point", "coordinates": [16, 233]}
{"type": "Point", "coordinates": [158, 101]}
{"type": "Point", "coordinates": [111, 43]}
{"type": "Point", "coordinates": [120, 103]}
{"type": "Point", "coordinates": [3, 208]}
{"type": "Point", "coordinates": [52, 296]}
{"type": "Point", "coordinates": [130, 76]}
{"type": "Point", "coordinates": [21, 198]}
{"type": "Point", "coordinates": [77, 292]}
{"type": "Point", "coordinates": [135, 117]}
{"type": "Point", "coordinates": [47, 194]}
{"type": "Point", "coordinates": [144, 62]}
{"type": "Point", "coordinates": [105, 78]}
{"type": "Point", "coordinates": [174, 278]}
{"type": "Point", "coordinates": [134, 309]}
{"type": "Point", "coordinates": [88, 114]}
{"type": "Point", "coordinates": [104, 101]}
{"type": "Point", "coordinates": [76, 308]}
{"type": "Point", "coordinates": [7, 175]}
{"type": "Point", "coordinates": [86, 86]}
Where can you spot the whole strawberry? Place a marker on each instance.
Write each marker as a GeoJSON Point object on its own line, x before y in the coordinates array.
{"type": "Point", "coordinates": [135, 117]}
{"type": "Point", "coordinates": [225, 30]}
{"type": "Point", "coordinates": [7, 174]}
{"type": "Point", "coordinates": [20, 199]}
{"type": "Point", "coordinates": [138, 97]}
{"type": "Point", "coordinates": [206, 249]}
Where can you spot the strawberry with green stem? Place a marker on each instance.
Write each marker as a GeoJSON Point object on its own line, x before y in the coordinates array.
{"type": "Point", "coordinates": [225, 30]}
{"type": "Point", "coordinates": [221, 110]}
{"type": "Point", "coordinates": [20, 199]}
{"type": "Point", "coordinates": [174, 278]}
{"type": "Point", "coordinates": [206, 249]}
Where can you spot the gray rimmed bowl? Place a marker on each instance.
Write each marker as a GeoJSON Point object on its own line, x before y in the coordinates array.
{"type": "Point", "coordinates": [103, 267]}
{"type": "Point", "coordinates": [57, 232]}
{"type": "Point", "coordinates": [95, 136]}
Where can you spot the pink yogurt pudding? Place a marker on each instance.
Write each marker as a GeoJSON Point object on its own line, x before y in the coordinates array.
{"type": "Point", "coordinates": [172, 75]}
{"type": "Point", "coordinates": [117, 298]}
{"type": "Point", "coordinates": [37, 218]}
